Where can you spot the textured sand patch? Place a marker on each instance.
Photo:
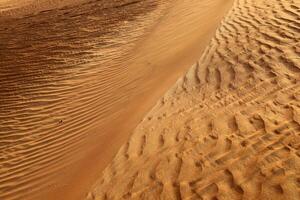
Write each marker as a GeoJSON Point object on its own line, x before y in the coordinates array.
{"type": "Point", "coordinates": [229, 129]}
{"type": "Point", "coordinates": [78, 79]}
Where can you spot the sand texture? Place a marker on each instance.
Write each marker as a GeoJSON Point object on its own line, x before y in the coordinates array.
{"type": "Point", "coordinates": [228, 129]}
{"type": "Point", "coordinates": [62, 75]}
{"type": "Point", "coordinates": [78, 76]}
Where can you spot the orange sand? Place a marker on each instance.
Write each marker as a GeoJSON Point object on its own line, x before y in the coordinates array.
{"type": "Point", "coordinates": [79, 76]}
{"type": "Point", "coordinates": [228, 129]}
{"type": "Point", "coordinates": [90, 107]}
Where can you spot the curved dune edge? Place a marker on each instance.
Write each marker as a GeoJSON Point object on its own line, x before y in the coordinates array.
{"type": "Point", "coordinates": [75, 86]}
{"type": "Point", "coordinates": [230, 128]}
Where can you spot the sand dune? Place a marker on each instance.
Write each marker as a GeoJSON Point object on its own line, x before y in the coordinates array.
{"type": "Point", "coordinates": [78, 76]}
{"type": "Point", "coordinates": [229, 129]}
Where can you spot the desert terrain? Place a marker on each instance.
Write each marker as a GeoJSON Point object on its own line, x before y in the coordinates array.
{"type": "Point", "coordinates": [143, 99]}
{"type": "Point", "coordinates": [229, 128]}
{"type": "Point", "coordinates": [78, 76]}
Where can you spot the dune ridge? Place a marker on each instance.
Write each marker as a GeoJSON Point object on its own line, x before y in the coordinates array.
{"type": "Point", "coordinates": [78, 79]}
{"type": "Point", "coordinates": [229, 128]}
{"type": "Point", "coordinates": [52, 62]}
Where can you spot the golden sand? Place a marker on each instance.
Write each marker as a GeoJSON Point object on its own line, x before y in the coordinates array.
{"type": "Point", "coordinates": [79, 77]}
{"type": "Point", "coordinates": [228, 129]}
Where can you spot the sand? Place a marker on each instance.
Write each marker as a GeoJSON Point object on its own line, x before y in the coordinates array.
{"type": "Point", "coordinates": [78, 76]}
{"type": "Point", "coordinates": [90, 107]}
{"type": "Point", "coordinates": [19, 8]}
{"type": "Point", "coordinates": [230, 127]}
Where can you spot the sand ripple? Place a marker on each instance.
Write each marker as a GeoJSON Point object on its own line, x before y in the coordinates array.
{"type": "Point", "coordinates": [60, 73]}
{"type": "Point", "coordinates": [78, 76]}
{"type": "Point", "coordinates": [229, 129]}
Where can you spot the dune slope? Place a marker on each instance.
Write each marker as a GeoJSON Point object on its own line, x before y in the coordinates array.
{"type": "Point", "coordinates": [62, 74]}
{"type": "Point", "coordinates": [78, 76]}
{"type": "Point", "coordinates": [228, 129]}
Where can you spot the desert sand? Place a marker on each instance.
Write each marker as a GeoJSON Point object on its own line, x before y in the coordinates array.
{"type": "Point", "coordinates": [229, 128]}
{"type": "Point", "coordinates": [90, 107]}
{"type": "Point", "coordinates": [78, 76]}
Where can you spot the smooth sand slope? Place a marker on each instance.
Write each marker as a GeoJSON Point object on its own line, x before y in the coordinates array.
{"type": "Point", "coordinates": [78, 76]}
{"type": "Point", "coordinates": [230, 128]}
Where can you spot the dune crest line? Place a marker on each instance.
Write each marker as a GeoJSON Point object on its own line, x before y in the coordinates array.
{"type": "Point", "coordinates": [78, 76]}
{"type": "Point", "coordinates": [229, 128]}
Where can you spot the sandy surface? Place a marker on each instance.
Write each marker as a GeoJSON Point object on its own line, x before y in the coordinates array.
{"type": "Point", "coordinates": [20, 8]}
{"type": "Point", "coordinates": [229, 128]}
{"type": "Point", "coordinates": [78, 76]}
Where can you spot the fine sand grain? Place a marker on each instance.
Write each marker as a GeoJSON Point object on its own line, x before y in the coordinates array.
{"type": "Point", "coordinates": [78, 76]}
{"type": "Point", "coordinates": [230, 128]}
